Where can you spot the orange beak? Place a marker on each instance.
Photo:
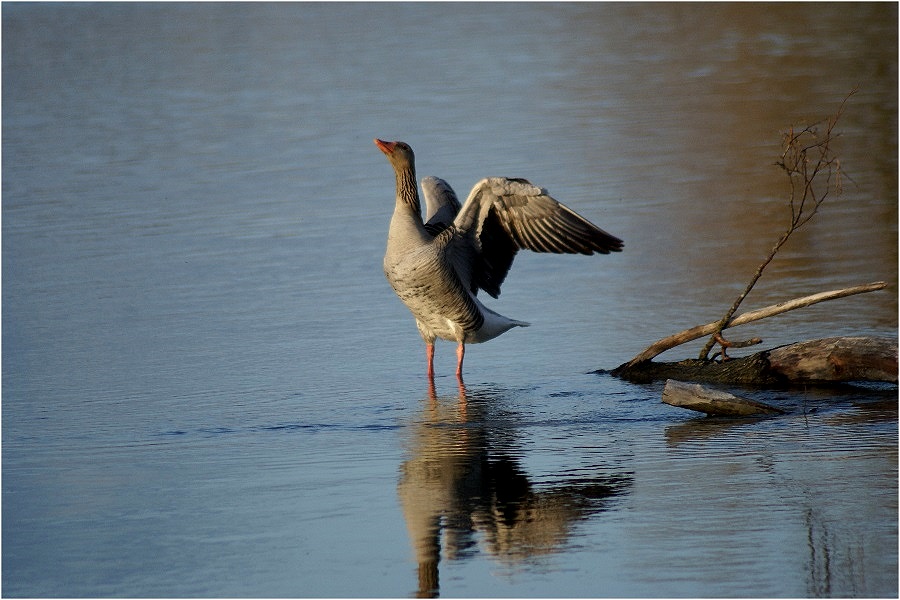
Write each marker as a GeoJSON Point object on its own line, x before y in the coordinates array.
{"type": "Point", "coordinates": [386, 147]}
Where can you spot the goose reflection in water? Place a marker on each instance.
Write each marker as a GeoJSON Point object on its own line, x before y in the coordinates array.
{"type": "Point", "coordinates": [463, 482]}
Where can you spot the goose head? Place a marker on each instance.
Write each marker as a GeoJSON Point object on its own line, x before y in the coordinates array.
{"type": "Point", "coordinates": [399, 153]}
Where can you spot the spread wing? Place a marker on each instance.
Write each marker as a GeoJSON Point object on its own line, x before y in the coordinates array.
{"type": "Point", "coordinates": [502, 216]}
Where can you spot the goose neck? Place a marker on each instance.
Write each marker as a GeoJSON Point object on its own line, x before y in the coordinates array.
{"type": "Point", "coordinates": [407, 192]}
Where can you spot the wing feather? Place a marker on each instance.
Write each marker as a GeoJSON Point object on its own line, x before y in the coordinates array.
{"type": "Point", "coordinates": [545, 239]}
{"type": "Point", "coordinates": [502, 216]}
{"type": "Point", "coordinates": [441, 204]}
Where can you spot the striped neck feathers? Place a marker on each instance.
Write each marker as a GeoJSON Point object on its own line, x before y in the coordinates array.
{"type": "Point", "coordinates": [407, 192]}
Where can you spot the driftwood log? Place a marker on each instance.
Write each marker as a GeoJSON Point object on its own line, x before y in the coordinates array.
{"type": "Point", "coordinates": [828, 360]}
{"type": "Point", "coordinates": [713, 402]}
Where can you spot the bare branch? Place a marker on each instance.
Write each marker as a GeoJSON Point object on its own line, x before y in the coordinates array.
{"type": "Point", "coordinates": [700, 331]}
{"type": "Point", "coordinates": [807, 159]}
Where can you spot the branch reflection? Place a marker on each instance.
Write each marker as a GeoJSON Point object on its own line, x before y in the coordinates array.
{"type": "Point", "coordinates": [795, 459]}
{"type": "Point", "coordinates": [462, 481]}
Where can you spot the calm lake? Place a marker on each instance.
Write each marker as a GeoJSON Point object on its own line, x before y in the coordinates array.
{"type": "Point", "coordinates": [210, 390]}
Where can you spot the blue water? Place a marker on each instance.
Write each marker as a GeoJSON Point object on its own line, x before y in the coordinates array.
{"type": "Point", "coordinates": [209, 388]}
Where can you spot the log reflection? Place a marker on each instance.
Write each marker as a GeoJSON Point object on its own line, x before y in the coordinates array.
{"type": "Point", "coordinates": [462, 488]}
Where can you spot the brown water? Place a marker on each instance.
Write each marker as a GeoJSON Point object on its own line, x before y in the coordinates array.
{"type": "Point", "coordinates": [210, 390]}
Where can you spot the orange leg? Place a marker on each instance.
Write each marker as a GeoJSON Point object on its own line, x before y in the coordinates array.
{"type": "Point", "coordinates": [460, 354]}
{"type": "Point", "coordinates": [429, 354]}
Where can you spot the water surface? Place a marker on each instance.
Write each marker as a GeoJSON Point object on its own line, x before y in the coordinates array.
{"type": "Point", "coordinates": [210, 390]}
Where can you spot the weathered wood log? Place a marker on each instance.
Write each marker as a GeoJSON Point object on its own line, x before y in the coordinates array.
{"type": "Point", "coordinates": [713, 402]}
{"type": "Point", "coordinates": [827, 360]}
{"type": "Point", "coordinates": [837, 359]}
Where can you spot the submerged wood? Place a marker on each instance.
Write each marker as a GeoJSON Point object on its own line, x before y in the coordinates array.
{"type": "Point", "coordinates": [699, 331]}
{"type": "Point", "coordinates": [827, 360]}
{"type": "Point", "coordinates": [748, 370]}
{"type": "Point", "coordinates": [713, 402]}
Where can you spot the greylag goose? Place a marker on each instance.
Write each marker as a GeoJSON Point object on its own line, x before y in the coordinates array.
{"type": "Point", "coordinates": [437, 266]}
